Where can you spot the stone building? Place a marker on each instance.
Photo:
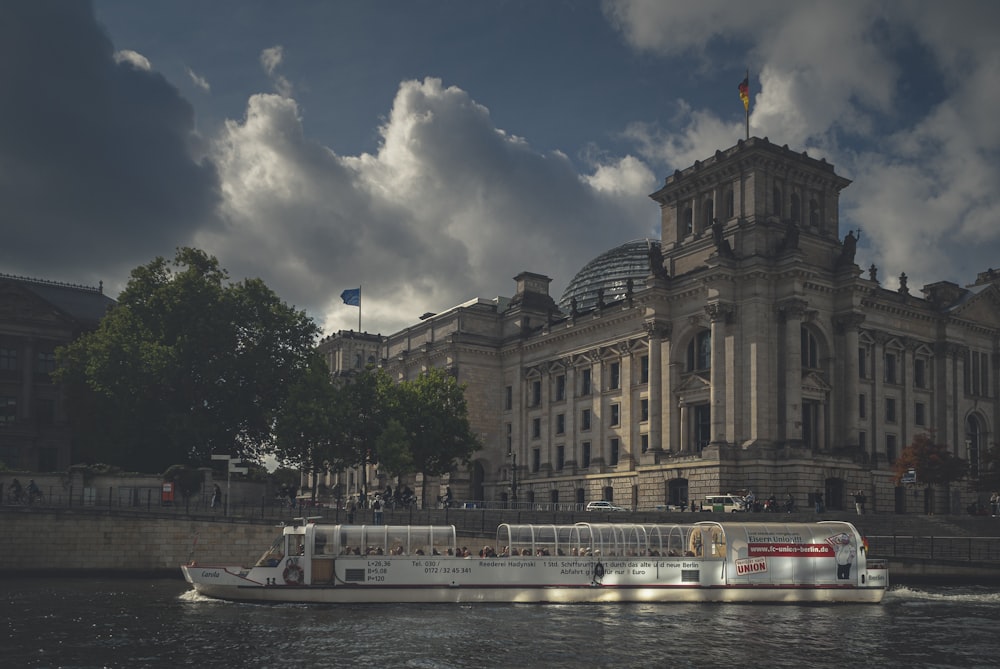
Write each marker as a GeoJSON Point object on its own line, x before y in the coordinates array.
{"type": "Point", "coordinates": [36, 317]}
{"type": "Point", "coordinates": [744, 350]}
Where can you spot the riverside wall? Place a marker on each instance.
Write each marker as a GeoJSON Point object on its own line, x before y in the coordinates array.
{"type": "Point", "coordinates": [70, 542]}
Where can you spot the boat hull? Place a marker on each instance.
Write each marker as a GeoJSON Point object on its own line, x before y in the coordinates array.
{"type": "Point", "coordinates": [236, 584]}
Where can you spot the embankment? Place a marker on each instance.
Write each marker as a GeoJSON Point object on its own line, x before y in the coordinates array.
{"type": "Point", "coordinates": [72, 542]}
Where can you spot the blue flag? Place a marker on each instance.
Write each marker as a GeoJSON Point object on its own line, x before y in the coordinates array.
{"type": "Point", "coordinates": [352, 296]}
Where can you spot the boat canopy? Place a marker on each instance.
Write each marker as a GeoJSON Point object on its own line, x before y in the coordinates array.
{"type": "Point", "coordinates": [383, 540]}
{"type": "Point", "coordinates": [601, 539]}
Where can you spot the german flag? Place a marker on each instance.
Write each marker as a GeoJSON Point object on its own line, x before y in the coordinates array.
{"type": "Point", "coordinates": [745, 92]}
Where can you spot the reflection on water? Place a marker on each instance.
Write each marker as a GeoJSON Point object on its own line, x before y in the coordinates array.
{"type": "Point", "coordinates": [160, 623]}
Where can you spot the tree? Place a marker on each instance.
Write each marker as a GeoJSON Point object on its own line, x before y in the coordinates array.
{"type": "Point", "coordinates": [186, 364]}
{"type": "Point", "coordinates": [933, 463]}
{"type": "Point", "coordinates": [393, 447]}
{"type": "Point", "coordinates": [435, 413]}
{"type": "Point", "coordinates": [305, 431]}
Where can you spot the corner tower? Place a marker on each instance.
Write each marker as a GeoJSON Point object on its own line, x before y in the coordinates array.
{"type": "Point", "coordinates": [755, 199]}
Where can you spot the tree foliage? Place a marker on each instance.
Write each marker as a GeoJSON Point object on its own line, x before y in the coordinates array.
{"type": "Point", "coordinates": [367, 419]}
{"type": "Point", "coordinates": [186, 364]}
{"type": "Point", "coordinates": [933, 463]}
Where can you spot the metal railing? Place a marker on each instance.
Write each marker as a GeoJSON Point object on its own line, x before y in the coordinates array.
{"type": "Point", "coordinates": [963, 549]}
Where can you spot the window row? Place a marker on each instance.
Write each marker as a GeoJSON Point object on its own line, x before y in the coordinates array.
{"type": "Point", "coordinates": [586, 419]}
{"type": "Point", "coordinates": [890, 415]}
{"type": "Point", "coordinates": [586, 454]}
{"type": "Point", "coordinates": [45, 361]}
{"type": "Point", "coordinates": [586, 387]}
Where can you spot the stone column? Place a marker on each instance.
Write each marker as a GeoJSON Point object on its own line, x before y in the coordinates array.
{"type": "Point", "coordinates": [793, 310]}
{"type": "Point", "coordinates": [846, 430]}
{"type": "Point", "coordinates": [656, 333]}
{"type": "Point", "coordinates": [719, 314]}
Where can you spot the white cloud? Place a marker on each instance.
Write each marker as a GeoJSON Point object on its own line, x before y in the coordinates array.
{"type": "Point", "coordinates": [198, 80]}
{"type": "Point", "coordinates": [270, 59]}
{"type": "Point", "coordinates": [136, 60]}
{"type": "Point", "coordinates": [831, 77]}
{"type": "Point", "coordinates": [449, 208]}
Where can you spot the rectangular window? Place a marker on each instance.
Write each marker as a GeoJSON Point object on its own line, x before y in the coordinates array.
{"type": "Point", "coordinates": [8, 359]}
{"type": "Point", "coordinates": [644, 369]}
{"type": "Point", "coordinates": [508, 398]}
{"type": "Point", "coordinates": [862, 406]}
{"type": "Point", "coordinates": [510, 438]}
{"type": "Point", "coordinates": [920, 373]}
{"type": "Point", "coordinates": [585, 420]}
{"type": "Point", "coordinates": [644, 441]}
{"type": "Point", "coordinates": [614, 376]}
{"type": "Point", "coordinates": [585, 382]}
{"type": "Point", "coordinates": [46, 362]}
{"type": "Point", "coordinates": [616, 414]}
{"type": "Point", "coordinates": [919, 416]}
{"type": "Point", "coordinates": [614, 451]}
{"type": "Point", "coordinates": [585, 447]}
{"type": "Point", "coordinates": [536, 428]}
{"type": "Point", "coordinates": [862, 363]}
{"type": "Point", "coordinates": [890, 410]}
{"type": "Point", "coordinates": [644, 409]}
{"type": "Point", "coordinates": [561, 423]}
{"type": "Point", "coordinates": [560, 457]}
{"type": "Point", "coordinates": [536, 393]}
{"type": "Point", "coordinates": [8, 410]}
{"type": "Point", "coordinates": [863, 440]}
{"type": "Point", "coordinates": [890, 367]}
{"type": "Point", "coordinates": [560, 387]}
{"type": "Point", "coordinates": [890, 448]}
{"type": "Point", "coordinates": [536, 459]}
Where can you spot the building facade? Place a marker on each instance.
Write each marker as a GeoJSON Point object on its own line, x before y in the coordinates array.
{"type": "Point", "coordinates": [36, 317]}
{"type": "Point", "coordinates": [744, 350]}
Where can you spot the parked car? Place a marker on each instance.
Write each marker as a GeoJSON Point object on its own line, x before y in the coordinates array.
{"type": "Point", "coordinates": [724, 503]}
{"type": "Point", "coordinates": [603, 506]}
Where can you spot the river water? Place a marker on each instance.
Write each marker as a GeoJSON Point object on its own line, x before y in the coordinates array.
{"type": "Point", "coordinates": [75, 622]}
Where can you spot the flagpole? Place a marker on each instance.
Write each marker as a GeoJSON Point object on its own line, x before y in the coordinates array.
{"type": "Point", "coordinates": [359, 308]}
{"type": "Point", "coordinates": [747, 106]}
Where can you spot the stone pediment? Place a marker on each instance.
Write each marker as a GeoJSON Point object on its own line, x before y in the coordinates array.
{"type": "Point", "coordinates": [815, 383]}
{"type": "Point", "coordinates": [693, 384]}
{"type": "Point", "coordinates": [984, 307]}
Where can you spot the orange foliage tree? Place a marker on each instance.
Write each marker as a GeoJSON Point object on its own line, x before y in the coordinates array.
{"type": "Point", "coordinates": [933, 463]}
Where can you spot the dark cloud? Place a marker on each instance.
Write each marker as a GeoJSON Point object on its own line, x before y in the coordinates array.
{"type": "Point", "coordinates": [97, 158]}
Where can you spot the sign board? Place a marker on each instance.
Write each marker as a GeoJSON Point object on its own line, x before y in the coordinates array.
{"type": "Point", "coordinates": [910, 476]}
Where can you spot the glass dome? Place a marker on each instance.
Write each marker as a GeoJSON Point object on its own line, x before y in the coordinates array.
{"type": "Point", "coordinates": [609, 272]}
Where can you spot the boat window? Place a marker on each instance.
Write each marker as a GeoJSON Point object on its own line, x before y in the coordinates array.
{"type": "Point", "coordinates": [273, 555]}
{"type": "Point", "coordinates": [324, 540]}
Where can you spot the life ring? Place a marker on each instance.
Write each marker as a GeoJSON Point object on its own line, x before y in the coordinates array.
{"type": "Point", "coordinates": [598, 571]}
{"type": "Point", "coordinates": [292, 574]}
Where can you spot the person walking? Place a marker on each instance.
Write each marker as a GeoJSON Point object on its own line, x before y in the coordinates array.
{"type": "Point", "coordinates": [859, 502]}
{"type": "Point", "coordinates": [377, 508]}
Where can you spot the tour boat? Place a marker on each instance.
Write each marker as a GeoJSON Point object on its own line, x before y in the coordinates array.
{"type": "Point", "coordinates": [710, 561]}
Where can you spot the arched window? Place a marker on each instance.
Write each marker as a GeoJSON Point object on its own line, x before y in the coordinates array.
{"type": "Point", "coordinates": [796, 209]}
{"type": "Point", "coordinates": [776, 196]}
{"type": "Point", "coordinates": [730, 204]}
{"type": "Point", "coordinates": [609, 494]}
{"type": "Point", "coordinates": [814, 213]}
{"type": "Point", "coordinates": [974, 444]}
{"type": "Point", "coordinates": [357, 361]}
{"type": "Point", "coordinates": [810, 350]}
{"type": "Point", "coordinates": [709, 209]}
{"type": "Point", "coordinates": [554, 498]}
{"type": "Point", "coordinates": [699, 353]}
{"type": "Point", "coordinates": [687, 221]}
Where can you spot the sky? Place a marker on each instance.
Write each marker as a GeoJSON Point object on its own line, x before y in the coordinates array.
{"type": "Point", "coordinates": [430, 151]}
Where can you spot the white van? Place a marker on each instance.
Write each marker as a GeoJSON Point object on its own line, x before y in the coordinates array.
{"type": "Point", "coordinates": [724, 503]}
